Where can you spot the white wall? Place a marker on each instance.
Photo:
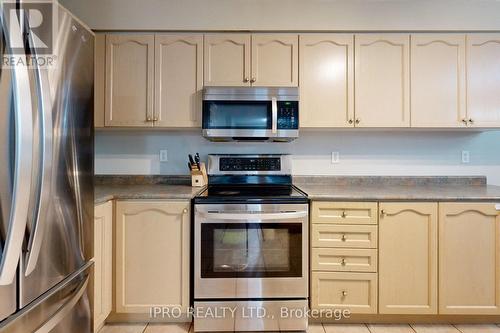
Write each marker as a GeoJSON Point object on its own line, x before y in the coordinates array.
{"type": "Point", "coordinates": [288, 14]}
{"type": "Point", "coordinates": [361, 152]}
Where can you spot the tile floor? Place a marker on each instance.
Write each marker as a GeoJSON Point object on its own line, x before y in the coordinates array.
{"type": "Point", "coordinates": [318, 328]}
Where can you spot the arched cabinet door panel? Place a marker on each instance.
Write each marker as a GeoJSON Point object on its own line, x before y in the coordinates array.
{"type": "Point", "coordinates": [129, 80]}
{"type": "Point", "coordinates": [469, 259]}
{"type": "Point", "coordinates": [382, 80]}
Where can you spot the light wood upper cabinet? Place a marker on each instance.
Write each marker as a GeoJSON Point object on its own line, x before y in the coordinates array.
{"type": "Point", "coordinates": [408, 258]}
{"type": "Point", "coordinates": [382, 80]}
{"type": "Point", "coordinates": [178, 80]}
{"type": "Point", "coordinates": [129, 80]}
{"type": "Point", "coordinates": [438, 92]}
{"type": "Point", "coordinates": [326, 80]}
{"type": "Point", "coordinates": [103, 262]}
{"type": "Point", "coordinates": [227, 60]}
{"type": "Point", "coordinates": [469, 259]}
{"type": "Point", "coordinates": [483, 80]}
{"type": "Point", "coordinates": [99, 79]}
{"type": "Point", "coordinates": [152, 255]}
{"type": "Point", "coordinates": [275, 60]}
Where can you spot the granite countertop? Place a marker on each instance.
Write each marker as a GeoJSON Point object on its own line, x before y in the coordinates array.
{"type": "Point", "coordinates": [317, 188]}
{"type": "Point", "coordinates": [399, 188]}
{"type": "Point", "coordinates": [140, 187]}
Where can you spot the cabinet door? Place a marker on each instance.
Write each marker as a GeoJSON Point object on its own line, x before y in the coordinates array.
{"type": "Point", "coordinates": [129, 80]}
{"type": "Point", "coordinates": [408, 258]}
{"type": "Point", "coordinates": [275, 60]}
{"type": "Point", "coordinates": [326, 80]}
{"type": "Point", "coordinates": [483, 80]}
{"type": "Point", "coordinates": [469, 259]}
{"type": "Point", "coordinates": [178, 80]}
{"type": "Point", "coordinates": [382, 80]}
{"type": "Point", "coordinates": [99, 79]}
{"type": "Point", "coordinates": [438, 80]}
{"type": "Point", "coordinates": [152, 255]}
{"type": "Point", "coordinates": [227, 60]}
{"type": "Point", "coordinates": [103, 263]}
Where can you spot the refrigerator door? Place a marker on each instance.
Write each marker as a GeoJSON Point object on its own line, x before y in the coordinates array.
{"type": "Point", "coordinates": [16, 152]}
{"type": "Point", "coordinates": [62, 199]}
{"type": "Point", "coordinates": [7, 293]}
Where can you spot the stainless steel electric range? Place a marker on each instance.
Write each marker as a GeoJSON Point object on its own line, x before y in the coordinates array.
{"type": "Point", "coordinates": [250, 246]}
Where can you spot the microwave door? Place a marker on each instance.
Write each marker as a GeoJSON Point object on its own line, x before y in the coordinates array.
{"type": "Point", "coordinates": [238, 119]}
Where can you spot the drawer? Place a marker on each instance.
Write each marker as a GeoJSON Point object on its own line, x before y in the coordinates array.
{"type": "Point", "coordinates": [344, 212]}
{"type": "Point", "coordinates": [344, 260]}
{"type": "Point", "coordinates": [354, 291]}
{"type": "Point", "coordinates": [344, 236]}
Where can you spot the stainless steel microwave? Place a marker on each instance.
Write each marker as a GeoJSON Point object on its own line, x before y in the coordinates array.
{"type": "Point", "coordinates": [250, 114]}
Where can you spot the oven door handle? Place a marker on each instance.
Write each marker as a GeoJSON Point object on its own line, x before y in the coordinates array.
{"type": "Point", "coordinates": [274, 110]}
{"type": "Point", "coordinates": [254, 216]}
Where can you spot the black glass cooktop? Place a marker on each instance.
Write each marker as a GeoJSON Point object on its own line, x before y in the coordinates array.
{"type": "Point", "coordinates": [228, 193]}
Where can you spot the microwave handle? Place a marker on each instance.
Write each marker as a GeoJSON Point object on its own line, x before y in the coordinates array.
{"type": "Point", "coordinates": [274, 110]}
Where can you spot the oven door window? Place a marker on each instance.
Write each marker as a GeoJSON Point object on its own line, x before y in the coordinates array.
{"type": "Point", "coordinates": [237, 115]}
{"type": "Point", "coordinates": [232, 250]}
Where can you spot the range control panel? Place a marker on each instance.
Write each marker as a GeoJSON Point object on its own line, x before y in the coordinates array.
{"type": "Point", "coordinates": [249, 164]}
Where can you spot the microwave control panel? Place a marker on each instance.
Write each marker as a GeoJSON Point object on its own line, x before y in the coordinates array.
{"type": "Point", "coordinates": [288, 115]}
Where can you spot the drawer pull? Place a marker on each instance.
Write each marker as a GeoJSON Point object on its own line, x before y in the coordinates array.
{"type": "Point", "coordinates": [343, 262]}
{"type": "Point", "coordinates": [344, 215]}
{"type": "Point", "coordinates": [344, 293]}
{"type": "Point", "coordinates": [344, 238]}
{"type": "Point", "coordinates": [383, 212]}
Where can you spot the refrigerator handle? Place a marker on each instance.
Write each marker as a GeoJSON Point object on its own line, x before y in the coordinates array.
{"type": "Point", "coordinates": [22, 164]}
{"type": "Point", "coordinates": [39, 223]}
{"type": "Point", "coordinates": [65, 309]}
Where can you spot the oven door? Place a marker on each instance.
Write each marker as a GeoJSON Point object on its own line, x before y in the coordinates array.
{"type": "Point", "coordinates": [251, 251]}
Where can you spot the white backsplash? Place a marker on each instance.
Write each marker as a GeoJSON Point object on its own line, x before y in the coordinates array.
{"type": "Point", "coordinates": [362, 152]}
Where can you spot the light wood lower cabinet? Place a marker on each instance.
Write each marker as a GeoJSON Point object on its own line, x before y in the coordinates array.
{"type": "Point", "coordinates": [152, 255]}
{"type": "Point", "coordinates": [354, 291]}
{"type": "Point", "coordinates": [469, 258]}
{"type": "Point", "coordinates": [408, 258]}
{"type": "Point", "coordinates": [102, 282]}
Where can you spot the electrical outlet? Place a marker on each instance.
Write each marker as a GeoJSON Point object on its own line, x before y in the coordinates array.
{"type": "Point", "coordinates": [335, 157]}
{"type": "Point", "coordinates": [164, 155]}
{"type": "Point", "coordinates": [465, 156]}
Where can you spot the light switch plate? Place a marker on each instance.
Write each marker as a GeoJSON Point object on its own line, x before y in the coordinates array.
{"type": "Point", "coordinates": [163, 155]}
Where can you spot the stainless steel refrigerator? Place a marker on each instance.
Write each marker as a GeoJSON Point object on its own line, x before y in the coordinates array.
{"type": "Point", "coordinates": [46, 182]}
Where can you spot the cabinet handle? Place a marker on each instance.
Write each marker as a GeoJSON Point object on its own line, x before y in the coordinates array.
{"type": "Point", "coordinates": [344, 238]}
{"type": "Point", "coordinates": [383, 212]}
{"type": "Point", "coordinates": [343, 262]}
{"type": "Point", "coordinates": [358, 120]}
{"type": "Point", "coordinates": [253, 80]}
{"type": "Point", "coordinates": [350, 121]}
{"type": "Point", "coordinates": [344, 293]}
{"type": "Point", "coordinates": [471, 121]}
{"type": "Point", "coordinates": [148, 118]}
{"type": "Point", "coordinates": [155, 119]}
{"type": "Point", "coordinates": [344, 215]}
{"type": "Point", "coordinates": [246, 80]}
{"type": "Point", "coordinates": [185, 210]}
{"type": "Point", "coordinates": [464, 120]}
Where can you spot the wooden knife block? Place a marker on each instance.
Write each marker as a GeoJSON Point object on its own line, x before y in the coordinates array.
{"type": "Point", "coordinates": [199, 178]}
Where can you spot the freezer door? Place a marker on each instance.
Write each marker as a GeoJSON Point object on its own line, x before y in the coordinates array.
{"type": "Point", "coordinates": [63, 309]}
{"type": "Point", "coordinates": [60, 224]}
